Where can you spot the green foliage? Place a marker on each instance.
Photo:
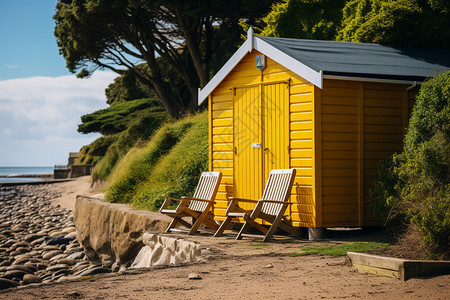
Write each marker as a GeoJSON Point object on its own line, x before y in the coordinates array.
{"type": "Point", "coordinates": [305, 19]}
{"type": "Point", "coordinates": [169, 164]}
{"type": "Point", "coordinates": [125, 88]}
{"type": "Point", "coordinates": [118, 116]}
{"type": "Point", "coordinates": [405, 23]}
{"type": "Point", "coordinates": [177, 40]}
{"type": "Point", "coordinates": [415, 187]}
{"type": "Point", "coordinates": [341, 250]}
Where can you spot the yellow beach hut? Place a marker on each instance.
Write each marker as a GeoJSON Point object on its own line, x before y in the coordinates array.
{"type": "Point", "coordinates": [331, 110]}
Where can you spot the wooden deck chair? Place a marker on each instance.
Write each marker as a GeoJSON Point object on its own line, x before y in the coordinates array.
{"type": "Point", "coordinates": [271, 207]}
{"type": "Point", "coordinates": [199, 206]}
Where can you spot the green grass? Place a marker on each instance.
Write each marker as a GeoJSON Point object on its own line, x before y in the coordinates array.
{"type": "Point", "coordinates": [170, 163]}
{"type": "Point", "coordinates": [259, 244]}
{"type": "Point", "coordinates": [341, 250]}
{"type": "Point", "coordinates": [119, 116]}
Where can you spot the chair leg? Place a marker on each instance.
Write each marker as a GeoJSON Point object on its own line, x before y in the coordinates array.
{"type": "Point", "coordinates": [223, 226]}
{"type": "Point", "coordinates": [198, 222]}
{"type": "Point", "coordinates": [171, 225]}
{"type": "Point", "coordinates": [243, 229]}
{"type": "Point", "coordinates": [273, 227]}
{"type": "Point", "coordinates": [286, 226]}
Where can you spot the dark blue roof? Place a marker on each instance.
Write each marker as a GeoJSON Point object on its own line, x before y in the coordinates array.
{"type": "Point", "coordinates": [364, 60]}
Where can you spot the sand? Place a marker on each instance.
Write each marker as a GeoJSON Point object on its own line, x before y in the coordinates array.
{"type": "Point", "coordinates": [239, 269]}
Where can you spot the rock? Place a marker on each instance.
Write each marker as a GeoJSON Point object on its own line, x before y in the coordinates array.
{"type": "Point", "coordinates": [59, 273]}
{"type": "Point", "coordinates": [93, 271]}
{"type": "Point", "coordinates": [30, 278]}
{"type": "Point", "coordinates": [164, 251]}
{"type": "Point", "coordinates": [269, 266]}
{"type": "Point", "coordinates": [21, 261]}
{"type": "Point", "coordinates": [73, 294]}
{"type": "Point", "coordinates": [14, 274]}
{"type": "Point", "coordinates": [58, 240]}
{"type": "Point", "coordinates": [38, 241]}
{"type": "Point", "coordinates": [32, 237]}
{"type": "Point", "coordinates": [41, 266]}
{"type": "Point", "coordinates": [115, 267]}
{"type": "Point", "coordinates": [57, 267]}
{"type": "Point", "coordinates": [67, 261]}
{"type": "Point", "coordinates": [194, 276]}
{"type": "Point", "coordinates": [19, 267]}
{"type": "Point", "coordinates": [71, 235]}
{"type": "Point", "coordinates": [76, 255]}
{"type": "Point", "coordinates": [6, 283]}
{"type": "Point", "coordinates": [56, 233]}
{"type": "Point", "coordinates": [58, 257]}
{"type": "Point", "coordinates": [69, 229]}
{"type": "Point", "coordinates": [50, 254]}
{"type": "Point", "coordinates": [5, 263]}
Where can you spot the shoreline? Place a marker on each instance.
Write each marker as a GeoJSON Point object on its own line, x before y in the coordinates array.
{"type": "Point", "coordinates": [28, 176]}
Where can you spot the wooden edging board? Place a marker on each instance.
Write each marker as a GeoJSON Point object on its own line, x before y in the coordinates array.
{"type": "Point", "coordinates": [403, 269]}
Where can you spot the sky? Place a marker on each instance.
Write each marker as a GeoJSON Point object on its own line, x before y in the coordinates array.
{"type": "Point", "coordinates": [41, 102]}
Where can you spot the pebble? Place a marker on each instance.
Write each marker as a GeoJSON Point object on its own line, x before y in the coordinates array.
{"type": "Point", "coordinates": [194, 276]}
{"type": "Point", "coordinates": [6, 283]}
{"type": "Point", "coordinates": [30, 278]}
{"type": "Point", "coordinates": [93, 271]}
{"type": "Point", "coordinates": [38, 240]}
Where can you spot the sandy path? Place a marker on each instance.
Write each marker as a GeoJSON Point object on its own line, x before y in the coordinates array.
{"type": "Point", "coordinates": [247, 277]}
{"type": "Point", "coordinates": [70, 189]}
{"type": "Point", "coordinates": [238, 269]}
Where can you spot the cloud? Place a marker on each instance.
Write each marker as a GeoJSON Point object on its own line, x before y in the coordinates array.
{"type": "Point", "coordinates": [38, 111]}
{"type": "Point", "coordinates": [12, 66]}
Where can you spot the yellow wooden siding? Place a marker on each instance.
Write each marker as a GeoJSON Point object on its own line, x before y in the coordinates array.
{"type": "Point", "coordinates": [383, 132]}
{"type": "Point", "coordinates": [339, 153]}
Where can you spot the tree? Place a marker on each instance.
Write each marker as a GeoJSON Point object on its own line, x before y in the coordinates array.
{"type": "Point", "coordinates": [176, 39]}
{"type": "Point", "coordinates": [125, 88]}
{"type": "Point", "coordinates": [305, 19]}
{"type": "Point", "coordinates": [405, 23]}
{"type": "Point", "coordinates": [414, 187]}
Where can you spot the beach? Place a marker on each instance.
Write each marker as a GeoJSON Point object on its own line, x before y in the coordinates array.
{"type": "Point", "coordinates": [230, 269]}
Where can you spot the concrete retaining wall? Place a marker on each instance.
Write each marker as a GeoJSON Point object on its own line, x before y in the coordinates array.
{"type": "Point", "coordinates": [113, 233]}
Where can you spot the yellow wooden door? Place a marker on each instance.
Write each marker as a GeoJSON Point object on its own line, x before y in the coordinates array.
{"type": "Point", "coordinates": [261, 136]}
{"type": "Point", "coordinates": [247, 136]}
{"type": "Point", "coordinates": [276, 127]}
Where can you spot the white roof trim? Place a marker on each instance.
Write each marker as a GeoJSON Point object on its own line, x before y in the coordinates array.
{"type": "Point", "coordinates": [280, 57]}
{"type": "Point", "coordinates": [288, 62]}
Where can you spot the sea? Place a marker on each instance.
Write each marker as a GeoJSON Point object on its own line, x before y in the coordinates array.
{"type": "Point", "coordinates": [6, 173]}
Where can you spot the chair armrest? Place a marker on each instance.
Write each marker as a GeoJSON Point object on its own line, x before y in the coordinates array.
{"type": "Point", "coordinates": [198, 199]}
{"type": "Point", "coordinates": [242, 200]}
{"type": "Point", "coordinates": [278, 202]}
{"type": "Point", "coordinates": [166, 202]}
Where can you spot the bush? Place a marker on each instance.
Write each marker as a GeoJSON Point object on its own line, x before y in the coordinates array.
{"type": "Point", "coordinates": [119, 115]}
{"type": "Point", "coordinates": [413, 188]}
{"type": "Point", "coordinates": [169, 164]}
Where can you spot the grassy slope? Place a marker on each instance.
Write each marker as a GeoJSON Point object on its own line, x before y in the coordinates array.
{"type": "Point", "coordinates": [169, 164]}
{"type": "Point", "coordinates": [123, 124]}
